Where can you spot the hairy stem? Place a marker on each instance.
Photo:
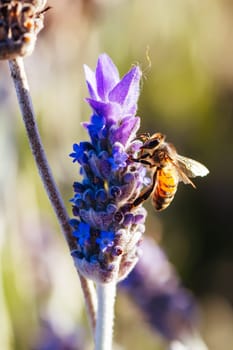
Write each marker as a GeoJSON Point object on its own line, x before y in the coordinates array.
{"type": "Point", "coordinates": [90, 299]}
{"type": "Point", "coordinates": [106, 294]}
{"type": "Point", "coordinates": [22, 90]}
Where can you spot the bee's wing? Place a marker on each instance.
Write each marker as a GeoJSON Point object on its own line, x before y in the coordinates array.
{"type": "Point", "coordinates": [191, 167]}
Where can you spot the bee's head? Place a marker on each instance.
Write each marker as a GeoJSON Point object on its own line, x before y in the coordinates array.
{"type": "Point", "coordinates": [154, 141]}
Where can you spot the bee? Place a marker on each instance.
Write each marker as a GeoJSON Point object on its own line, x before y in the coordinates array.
{"type": "Point", "coordinates": [168, 169]}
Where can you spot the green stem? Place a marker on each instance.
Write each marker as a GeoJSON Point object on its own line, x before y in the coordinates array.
{"type": "Point", "coordinates": [106, 294]}
{"type": "Point", "coordinates": [22, 90]}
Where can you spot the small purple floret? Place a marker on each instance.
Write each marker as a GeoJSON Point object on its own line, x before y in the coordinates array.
{"type": "Point", "coordinates": [82, 233]}
{"type": "Point", "coordinates": [106, 240]}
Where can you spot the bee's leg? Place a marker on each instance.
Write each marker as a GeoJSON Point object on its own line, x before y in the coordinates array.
{"type": "Point", "coordinates": [45, 10]}
{"type": "Point", "coordinates": [145, 193]}
{"type": "Point", "coordinates": [145, 155]}
{"type": "Point", "coordinates": [141, 156]}
{"type": "Point", "coordinates": [142, 161]}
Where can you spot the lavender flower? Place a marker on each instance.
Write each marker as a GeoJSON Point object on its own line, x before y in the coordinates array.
{"type": "Point", "coordinates": [155, 288]}
{"type": "Point", "coordinates": [20, 22]}
{"type": "Point", "coordinates": [107, 229]}
{"type": "Point", "coordinates": [49, 339]}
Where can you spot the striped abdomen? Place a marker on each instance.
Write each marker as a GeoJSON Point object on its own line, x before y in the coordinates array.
{"type": "Point", "coordinates": [165, 188]}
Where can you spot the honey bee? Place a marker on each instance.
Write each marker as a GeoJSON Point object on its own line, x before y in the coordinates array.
{"type": "Point", "coordinates": [168, 169]}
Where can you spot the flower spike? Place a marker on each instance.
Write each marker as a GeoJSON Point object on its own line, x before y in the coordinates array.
{"type": "Point", "coordinates": [107, 229]}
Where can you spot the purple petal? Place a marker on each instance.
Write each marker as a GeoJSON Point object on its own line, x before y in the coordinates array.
{"type": "Point", "coordinates": [105, 169]}
{"type": "Point", "coordinates": [107, 76]}
{"type": "Point", "coordinates": [94, 163]}
{"type": "Point", "coordinates": [100, 108]}
{"type": "Point", "coordinates": [126, 92]}
{"type": "Point", "coordinates": [126, 131]}
{"type": "Point", "coordinates": [110, 111]}
{"type": "Point", "coordinates": [129, 191]}
{"type": "Point", "coordinates": [91, 82]}
{"type": "Point", "coordinates": [135, 146]}
{"type": "Point", "coordinates": [106, 240]}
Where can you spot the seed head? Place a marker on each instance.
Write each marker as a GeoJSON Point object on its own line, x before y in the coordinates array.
{"type": "Point", "coordinates": [20, 22]}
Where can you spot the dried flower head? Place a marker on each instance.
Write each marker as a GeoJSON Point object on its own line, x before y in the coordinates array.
{"type": "Point", "coordinates": [107, 229]}
{"type": "Point", "coordinates": [20, 22]}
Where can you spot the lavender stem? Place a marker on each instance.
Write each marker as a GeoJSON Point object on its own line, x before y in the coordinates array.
{"type": "Point", "coordinates": [106, 294]}
{"type": "Point", "coordinates": [22, 90]}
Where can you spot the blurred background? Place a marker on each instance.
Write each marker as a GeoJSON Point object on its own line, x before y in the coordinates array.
{"type": "Point", "coordinates": [187, 94]}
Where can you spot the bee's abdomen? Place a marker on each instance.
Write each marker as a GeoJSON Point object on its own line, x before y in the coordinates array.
{"type": "Point", "coordinates": [165, 188]}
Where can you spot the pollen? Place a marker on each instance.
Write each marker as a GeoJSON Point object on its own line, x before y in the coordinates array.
{"type": "Point", "coordinates": [27, 38]}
